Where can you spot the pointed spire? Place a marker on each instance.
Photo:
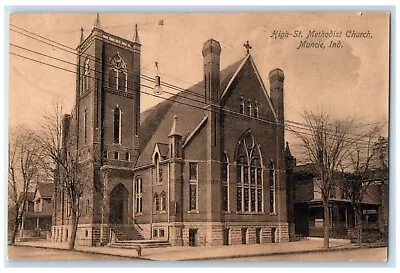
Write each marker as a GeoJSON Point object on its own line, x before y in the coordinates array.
{"type": "Point", "coordinates": [97, 22]}
{"type": "Point", "coordinates": [82, 36]}
{"type": "Point", "coordinates": [288, 154]}
{"type": "Point", "coordinates": [174, 131]}
{"type": "Point", "coordinates": [136, 35]}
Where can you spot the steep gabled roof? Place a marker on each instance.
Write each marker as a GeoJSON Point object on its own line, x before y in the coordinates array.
{"type": "Point", "coordinates": [188, 105]}
{"type": "Point", "coordinates": [45, 190]}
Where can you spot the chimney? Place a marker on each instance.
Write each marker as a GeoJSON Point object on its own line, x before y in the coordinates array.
{"type": "Point", "coordinates": [276, 78]}
{"type": "Point", "coordinates": [211, 56]}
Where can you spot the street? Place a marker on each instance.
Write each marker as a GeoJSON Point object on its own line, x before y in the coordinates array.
{"type": "Point", "coordinates": [366, 254]}
{"type": "Point", "coordinates": [33, 253]}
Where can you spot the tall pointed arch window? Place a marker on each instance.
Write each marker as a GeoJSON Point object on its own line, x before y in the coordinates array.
{"type": "Point", "coordinates": [159, 174]}
{"type": "Point", "coordinates": [249, 180]}
{"type": "Point", "coordinates": [118, 74]}
{"type": "Point", "coordinates": [272, 193]}
{"type": "Point", "coordinates": [117, 125]}
{"type": "Point", "coordinates": [86, 76]}
{"type": "Point", "coordinates": [225, 182]}
{"type": "Point", "coordinates": [139, 195]}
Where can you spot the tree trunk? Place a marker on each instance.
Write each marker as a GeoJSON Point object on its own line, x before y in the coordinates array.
{"type": "Point", "coordinates": [15, 230]}
{"type": "Point", "coordinates": [359, 225]}
{"type": "Point", "coordinates": [326, 224]}
{"type": "Point", "coordinates": [74, 218]}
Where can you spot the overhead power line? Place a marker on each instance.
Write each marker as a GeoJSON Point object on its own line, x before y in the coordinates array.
{"type": "Point", "coordinates": [177, 88]}
{"type": "Point", "coordinates": [294, 124]}
{"type": "Point", "coordinates": [226, 111]}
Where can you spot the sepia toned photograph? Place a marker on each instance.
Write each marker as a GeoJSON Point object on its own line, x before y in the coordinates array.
{"type": "Point", "coordinates": [240, 136]}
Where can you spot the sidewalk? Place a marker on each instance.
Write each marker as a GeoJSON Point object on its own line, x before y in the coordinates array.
{"type": "Point", "coordinates": [184, 253]}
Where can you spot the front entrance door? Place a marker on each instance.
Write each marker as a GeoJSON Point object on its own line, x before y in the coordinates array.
{"type": "Point", "coordinates": [273, 235]}
{"type": "Point", "coordinates": [192, 236]}
{"type": "Point", "coordinates": [225, 236]}
{"type": "Point", "coordinates": [258, 235]}
{"type": "Point", "coordinates": [119, 205]}
{"type": "Point", "coordinates": [244, 236]}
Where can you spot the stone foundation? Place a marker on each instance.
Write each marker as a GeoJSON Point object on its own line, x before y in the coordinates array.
{"type": "Point", "coordinates": [205, 234]}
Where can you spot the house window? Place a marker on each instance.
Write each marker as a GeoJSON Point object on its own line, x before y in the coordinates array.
{"type": "Point", "coordinates": [249, 189]}
{"type": "Point", "coordinates": [193, 185]}
{"type": "Point", "coordinates": [116, 155]}
{"type": "Point", "coordinates": [272, 204]}
{"type": "Point", "coordinates": [225, 182]}
{"type": "Point", "coordinates": [138, 195]}
{"type": "Point", "coordinates": [161, 233]}
{"type": "Point", "coordinates": [105, 154]}
{"type": "Point", "coordinates": [117, 125]}
{"type": "Point", "coordinates": [163, 202]}
{"type": "Point", "coordinates": [241, 106]}
{"type": "Point", "coordinates": [155, 232]}
{"type": "Point", "coordinates": [127, 156]}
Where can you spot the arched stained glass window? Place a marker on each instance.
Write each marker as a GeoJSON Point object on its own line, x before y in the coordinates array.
{"type": "Point", "coordinates": [249, 190]}
{"type": "Point", "coordinates": [118, 74]}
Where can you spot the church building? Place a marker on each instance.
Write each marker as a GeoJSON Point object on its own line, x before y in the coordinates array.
{"type": "Point", "coordinates": [204, 167]}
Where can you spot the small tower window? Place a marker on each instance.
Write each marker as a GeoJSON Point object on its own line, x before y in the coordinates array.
{"type": "Point", "coordinates": [241, 106]}
{"type": "Point", "coordinates": [249, 108]}
{"type": "Point", "coordinates": [255, 110]}
{"type": "Point", "coordinates": [117, 125]}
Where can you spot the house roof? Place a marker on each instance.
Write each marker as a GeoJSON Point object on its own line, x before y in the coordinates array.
{"type": "Point", "coordinates": [29, 196]}
{"type": "Point", "coordinates": [46, 190]}
{"type": "Point", "coordinates": [156, 122]}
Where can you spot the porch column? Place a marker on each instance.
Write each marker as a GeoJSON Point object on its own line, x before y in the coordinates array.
{"type": "Point", "coordinates": [345, 215]}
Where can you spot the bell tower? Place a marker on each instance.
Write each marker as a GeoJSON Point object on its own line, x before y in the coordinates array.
{"type": "Point", "coordinates": [108, 97]}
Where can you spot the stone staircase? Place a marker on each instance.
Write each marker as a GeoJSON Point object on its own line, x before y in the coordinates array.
{"type": "Point", "coordinates": [129, 237]}
{"type": "Point", "coordinates": [134, 244]}
{"type": "Point", "coordinates": [126, 233]}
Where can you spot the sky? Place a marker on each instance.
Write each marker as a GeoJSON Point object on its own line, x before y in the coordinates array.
{"type": "Point", "coordinates": [349, 81]}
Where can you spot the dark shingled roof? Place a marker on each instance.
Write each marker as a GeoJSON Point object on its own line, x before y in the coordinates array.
{"type": "Point", "coordinates": [46, 190]}
{"type": "Point", "coordinates": [156, 122]}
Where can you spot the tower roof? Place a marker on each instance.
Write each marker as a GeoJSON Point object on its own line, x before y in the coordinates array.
{"type": "Point", "coordinates": [82, 36]}
{"type": "Point", "coordinates": [174, 130]}
{"type": "Point", "coordinates": [97, 22]}
{"type": "Point", "coordinates": [136, 35]}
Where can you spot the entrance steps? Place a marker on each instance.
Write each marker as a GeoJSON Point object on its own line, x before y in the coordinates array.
{"type": "Point", "coordinates": [134, 244]}
{"type": "Point", "coordinates": [126, 233]}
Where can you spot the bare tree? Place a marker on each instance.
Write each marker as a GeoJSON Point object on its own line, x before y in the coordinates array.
{"type": "Point", "coordinates": [24, 157]}
{"type": "Point", "coordinates": [326, 144]}
{"type": "Point", "coordinates": [359, 173]}
{"type": "Point", "coordinates": [71, 180]}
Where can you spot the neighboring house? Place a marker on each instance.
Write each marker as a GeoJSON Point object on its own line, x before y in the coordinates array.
{"type": "Point", "coordinates": [205, 167]}
{"type": "Point", "coordinates": [307, 208]}
{"type": "Point", "coordinates": [37, 218]}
